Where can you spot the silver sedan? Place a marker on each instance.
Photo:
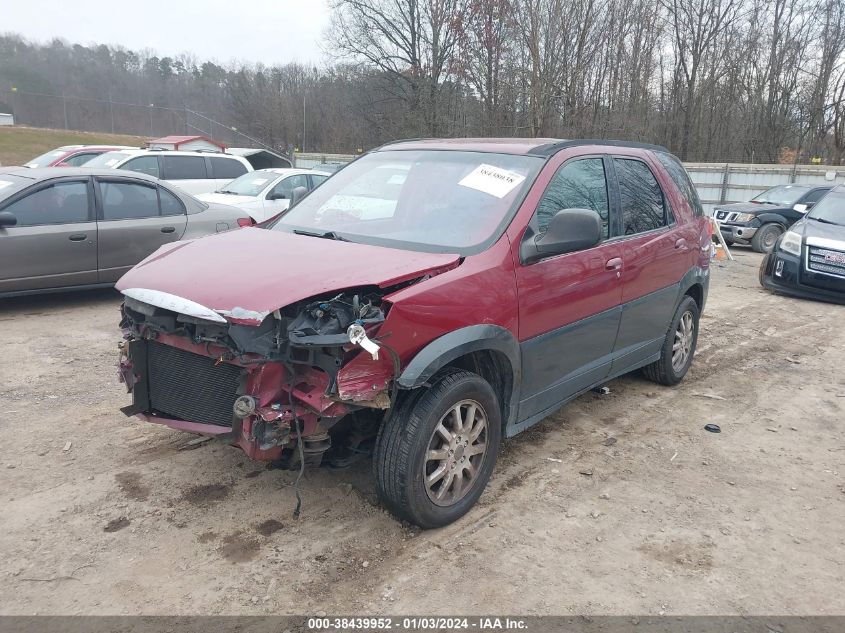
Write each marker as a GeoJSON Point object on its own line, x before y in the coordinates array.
{"type": "Point", "coordinates": [67, 228]}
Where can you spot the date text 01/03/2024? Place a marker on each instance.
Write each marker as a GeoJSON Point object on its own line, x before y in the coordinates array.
{"type": "Point", "coordinates": [416, 623]}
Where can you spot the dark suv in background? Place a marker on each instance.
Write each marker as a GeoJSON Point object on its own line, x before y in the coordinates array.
{"type": "Point", "coordinates": [763, 219]}
{"type": "Point", "coordinates": [809, 259]}
{"type": "Point", "coordinates": [427, 300]}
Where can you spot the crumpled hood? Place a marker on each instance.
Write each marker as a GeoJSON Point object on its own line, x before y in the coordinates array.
{"type": "Point", "coordinates": [247, 273]}
{"type": "Point", "coordinates": [748, 207]}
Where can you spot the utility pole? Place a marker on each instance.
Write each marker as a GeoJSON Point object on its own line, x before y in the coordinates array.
{"type": "Point", "coordinates": [64, 109]}
{"type": "Point", "coordinates": [151, 120]}
{"type": "Point", "coordinates": [303, 122]}
{"type": "Point", "coordinates": [111, 112]}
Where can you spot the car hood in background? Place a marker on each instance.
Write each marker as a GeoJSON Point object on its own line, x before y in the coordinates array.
{"type": "Point", "coordinates": [808, 227]}
{"type": "Point", "coordinates": [244, 275]}
{"type": "Point", "coordinates": [749, 207]}
{"type": "Point", "coordinates": [226, 198]}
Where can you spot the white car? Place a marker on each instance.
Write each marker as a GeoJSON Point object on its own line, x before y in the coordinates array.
{"type": "Point", "coordinates": [265, 192]}
{"type": "Point", "coordinates": [194, 172]}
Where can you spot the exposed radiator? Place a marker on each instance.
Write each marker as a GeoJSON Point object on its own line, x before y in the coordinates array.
{"type": "Point", "coordinates": [190, 386]}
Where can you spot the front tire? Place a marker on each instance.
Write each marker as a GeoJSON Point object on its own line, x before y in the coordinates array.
{"type": "Point", "coordinates": [435, 454]}
{"type": "Point", "coordinates": [678, 347]}
{"type": "Point", "coordinates": [766, 237]}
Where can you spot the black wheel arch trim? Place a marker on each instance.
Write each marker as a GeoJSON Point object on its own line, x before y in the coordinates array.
{"type": "Point", "coordinates": [449, 347]}
{"type": "Point", "coordinates": [695, 276]}
{"type": "Point", "coordinates": [774, 218]}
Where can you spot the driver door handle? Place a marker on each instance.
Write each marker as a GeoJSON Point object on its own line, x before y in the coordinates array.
{"type": "Point", "coordinates": [168, 229]}
{"type": "Point", "coordinates": [77, 237]}
{"type": "Point", "coordinates": [613, 264]}
{"type": "Point", "coordinates": [681, 244]}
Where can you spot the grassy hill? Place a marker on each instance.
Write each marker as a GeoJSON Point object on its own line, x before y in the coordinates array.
{"type": "Point", "coordinates": [20, 144]}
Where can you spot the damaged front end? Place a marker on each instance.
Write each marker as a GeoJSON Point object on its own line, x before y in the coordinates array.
{"type": "Point", "coordinates": [314, 370]}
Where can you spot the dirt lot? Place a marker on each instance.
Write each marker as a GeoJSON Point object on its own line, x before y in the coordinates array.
{"type": "Point", "coordinates": [617, 504]}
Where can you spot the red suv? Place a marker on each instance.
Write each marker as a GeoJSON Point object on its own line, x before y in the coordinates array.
{"type": "Point", "coordinates": [428, 299]}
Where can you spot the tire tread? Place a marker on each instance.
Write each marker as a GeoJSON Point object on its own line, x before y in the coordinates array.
{"type": "Point", "coordinates": [392, 458]}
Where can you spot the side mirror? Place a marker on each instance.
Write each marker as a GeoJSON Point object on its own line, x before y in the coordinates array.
{"type": "Point", "coordinates": [569, 230]}
{"type": "Point", "coordinates": [297, 194]}
{"type": "Point", "coordinates": [801, 208]}
{"type": "Point", "coordinates": [7, 218]}
{"type": "Point", "coordinates": [277, 195]}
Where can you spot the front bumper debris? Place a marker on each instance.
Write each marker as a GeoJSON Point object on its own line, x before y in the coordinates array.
{"type": "Point", "coordinates": [261, 388]}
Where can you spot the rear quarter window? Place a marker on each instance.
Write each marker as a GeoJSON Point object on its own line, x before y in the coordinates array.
{"type": "Point", "coordinates": [226, 167]}
{"type": "Point", "coordinates": [682, 181]}
{"type": "Point", "coordinates": [184, 168]}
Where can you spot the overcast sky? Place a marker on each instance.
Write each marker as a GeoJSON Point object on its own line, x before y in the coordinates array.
{"type": "Point", "coordinates": [267, 31]}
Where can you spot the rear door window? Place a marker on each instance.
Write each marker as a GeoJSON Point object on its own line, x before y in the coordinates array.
{"type": "Point", "coordinates": [226, 167]}
{"type": "Point", "coordinates": [286, 186]}
{"type": "Point", "coordinates": [60, 203]}
{"type": "Point", "coordinates": [643, 205]}
{"type": "Point", "coordinates": [578, 184]}
{"type": "Point", "coordinates": [144, 165]}
{"type": "Point", "coordinates": [682, 181]}
{"type": "Point", "coordinates": [184, 167]}
{"type": "Point", "coordinates": [128, 200]}
{"type": "Point", "coordinates": [170, 204]}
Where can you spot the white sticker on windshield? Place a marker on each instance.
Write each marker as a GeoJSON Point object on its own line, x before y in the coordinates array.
{"type": "Point", "coordinates": [112, 162]}
{"type": "Point", "coordinates": [260, 181]}
{"type": "Point", "coordinates": [5, 183]}
{"type": "Point", "coordinates": [493, 180]}
{"type": "Point", "coordinates": [397, 179]}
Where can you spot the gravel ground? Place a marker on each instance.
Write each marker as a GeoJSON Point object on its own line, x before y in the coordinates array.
{"type": "Point", "coordinates": [617, 504]}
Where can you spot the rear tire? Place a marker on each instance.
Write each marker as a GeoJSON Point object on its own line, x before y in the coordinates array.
{"type": "Point", "coordinates": [766, 237]}
{"type": "Point", "coordinates": [678, 347]}
{"type": "Point", "coordinates": [431, 464]}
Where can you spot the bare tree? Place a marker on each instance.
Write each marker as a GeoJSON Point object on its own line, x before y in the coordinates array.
{"type": "Point", "coordinates": [696, 27]}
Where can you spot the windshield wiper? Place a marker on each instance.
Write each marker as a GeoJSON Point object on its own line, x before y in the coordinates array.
{"type": "Point", "coordinates": [234, 193]}
{"type": "Point", "coordinates": [823, 221]}
{"type": "Point", "coordinates": [329, 235]}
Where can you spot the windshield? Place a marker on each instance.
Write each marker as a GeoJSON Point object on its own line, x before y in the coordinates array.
{"type": "Point", "coordinates": [431, 200]}
{"type": "Point", "coordinates": [250, 184]}
{"type": "Point", "coordinates": [830, 209]}
{"type": "Point", "coordinates": [45, 159]}
{"type": "Point", "coordinates": [783, 196]}
{"type": "Point", "coordinates": [107, 160]}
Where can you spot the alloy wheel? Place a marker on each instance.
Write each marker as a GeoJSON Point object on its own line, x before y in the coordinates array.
{"type": "Point", "coordinates": [684, 337]}
{"type": "Point", "coordinates": [456, 450]}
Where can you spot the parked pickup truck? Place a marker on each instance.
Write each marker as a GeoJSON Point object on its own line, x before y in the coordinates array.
{"type": "Point", "coordinates": [426, 301]}
{"type": "Point", "coordinates": [762, 220]}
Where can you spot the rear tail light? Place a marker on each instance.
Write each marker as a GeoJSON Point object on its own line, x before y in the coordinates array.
{"type": "Point", "coordinates": [245, 221]}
